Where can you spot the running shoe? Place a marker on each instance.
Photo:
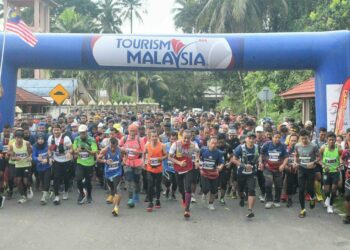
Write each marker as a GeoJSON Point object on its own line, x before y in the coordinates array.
{"type": "Point", "coordinates": [276, 204]}
{"type": "Point", "coordinates": [43, 200]}
{"type": "Point", "coordinates": [81, 199]}
{"type": "Point", "coordinates": [109, 199]}
{"type": "Point", "coordinates": [346, 220]}
{"type": "Point", "coordinates": [204, 197]}
{"type": "Point", "coordinates": [150, 207]}
{"type": "Point", "coordinates": [65, 196]}
{"type": "Point", "coordinates": [211, 207]}
{"type": "Point", "coordinates": [187, 214]}
{"type": "Point", "coordinates": [241, 202]}
{"type": "Point", "coordinates": [2, 201]}
{"type": "Point", "coordinates": [157, 204]}
{"type": "Point", "coordinates": [173, 197]}
{"type": "Point", "coordinates": [307, 197]}
{"type": "Point", "coordinates": [330, 209]}
{"type": "Point", "coordinates": [88, 199]}
{"type": "Point", "coordinates": [183, 203]}
{"type": "Point", "coordinates": [115, 211]}
{"type": "Point", "coordinates": [22, 200]}
{"type": "Point", "coordinates": [30, 193]}
{"type": "Point", "coordinates": [302, 213]}
{"type": "Point", "coordinates": [289, 202]}
{"type": "Point", "coordinates": [250, 214]}
{"type": "Point", "coordinates": [284, 198]}
{"type": "Point", "coordinates": [262, 198]}
{"type": "Point", "coordinates": [268, 205]}
{"type": "Point", "coordinates": [222, 202]}
{"type": "Point", "coordinates": [146, 199]}
{"type": "Point", "coordinates": [327, 202]}
{"type": "Point", "coordinates": [312, 204]}
{"type": "Point", "coordinates": [131, 203]}
{"type": "Point", "coordinates": [193, 199]}
{"type": "Point", "coordinates": [167, 194]}
{"type": "Point", "coordinates": [136, 198]}
{"type": "Point", "coordinates": [56, 201]}
{"type": "Point", "coordinates": [234, 195]}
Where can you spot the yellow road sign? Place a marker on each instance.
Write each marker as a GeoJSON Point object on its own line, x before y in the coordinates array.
{"type": "Point", "coordinates": [59, 94]}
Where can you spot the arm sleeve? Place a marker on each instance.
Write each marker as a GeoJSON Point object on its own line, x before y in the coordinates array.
{"type": "Point", "coordinates": [172, 149]}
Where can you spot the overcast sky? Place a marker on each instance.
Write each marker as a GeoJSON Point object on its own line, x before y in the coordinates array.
{"type": "Point", "coordinates": [158, 20]}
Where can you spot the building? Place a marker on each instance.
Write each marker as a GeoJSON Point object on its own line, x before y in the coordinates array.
{"type": "Point", "coordinates": [30, 103]}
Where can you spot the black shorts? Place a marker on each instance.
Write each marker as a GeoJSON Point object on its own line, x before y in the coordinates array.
{"type": "Point", "coordinates": [318, 168]}
{"type": "Point", "coordinates": [330, 178]}
{"type": "Point", "coordinates": [224, 177]}
{"type": "Point", "coordinates": [347, 190]}
{"type": "Point", "coordinates": [246, 181]}
{"type": "Point", "coordinates": [2, 165]}
{"type": "Point", "coordinates": [209, 185]}
{"type": "Point", "coordinates": [23, 172]}
{"type": "Point", "coordinates": [195, 176]}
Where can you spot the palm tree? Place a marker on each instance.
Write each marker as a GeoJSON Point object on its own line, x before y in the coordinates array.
{"type": "Point", "coordinates": [69, 21]}
{"type": "Point", "coordinates": [109, 20]}
{"type": "Point", "coordinates": [132, 8]}
{"type": "Point", "coordinates": [234, 15]}
{"type": "Point", "coordinates": [185, 14]}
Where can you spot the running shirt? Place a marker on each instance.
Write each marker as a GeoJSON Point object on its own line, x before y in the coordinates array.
{"type": "Point", "coordinates": [40, 167]}
{"type": "Point", "coordinates": [306, 154]}
{"type": "Point", "coordinates": [133, 148]}
{"type": "Point", "coordinates": [319, 143]}
{"type": "Point", "coordinates": [154, 164]}
{"type": "Point", "coordinates": [67, 143]}
{"type": "Point", "coordinates": [22, 153]}
{"type": "Point", "coordinates": [115, 169]}
{"type": "Point", "coordinates": [168, 165]}
{"type": "Point", "coordinates": [273, 155]}
{"type": "Point", "coordinates": [247, 156]}
{"type": "Point", "coordinates": [84, 158]}
{"type": "Point", "coordinates": [183, 153]}
{"type": "Point", "coordinates": [209, 162]}
{"type": "Point", "coordinates": [345, 156]}
{"type": "Point", "coordinates": [331, 159]}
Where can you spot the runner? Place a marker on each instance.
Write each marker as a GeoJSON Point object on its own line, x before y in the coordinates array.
{"type": "Point", "coordinates": [225, 173]}
{"type": "Point", "coordinates": [21, 153]}
{"type": "Point", "coordinates": [345, 159]}
{"type": "Point", "coordinates": [41, 159]}
{"type": "Point", "coordinates": [330, 155]}
{"type": "Point", "coordinates": [169, 177]}
{"type": "Point", "coordinates": [291, 170]}
{"type": "Point", "coordinates": [112, 158]}
{"type": "Point", "coordinates": [133, 147]}
{"type": "Point", "coordinates": [307, 155]}
{"type": "Point", "coordinates": [155, 153]}
{"type": "Point", "coordinates": [260, 140]}
{"type": "Point", "coordinates": [274, 159]}
{"type": "Point", "coordinates": [212, 162]}
{"type": "Point", "coordinates": [85, 148]}
{"type": "Point", "coordinates": [246, 157]}
{"type": "Point", "coordinates": [180, 154]}
{"type": "Point", "coordinates": [233, 141]}
{"type": "Point", "coordinates": [60, 147]}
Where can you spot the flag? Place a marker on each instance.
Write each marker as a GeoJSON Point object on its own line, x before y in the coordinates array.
{"type": "Point", "coordinates": [342, 106]}
{"type": "Point", "coordinates": [16, 25]}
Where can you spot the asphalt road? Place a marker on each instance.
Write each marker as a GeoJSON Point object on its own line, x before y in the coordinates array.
{"type": "Point", "coordinates": [69, 226]}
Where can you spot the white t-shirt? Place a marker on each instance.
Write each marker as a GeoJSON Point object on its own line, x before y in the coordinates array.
{"type": "Point", "coordinates": [67, 144]}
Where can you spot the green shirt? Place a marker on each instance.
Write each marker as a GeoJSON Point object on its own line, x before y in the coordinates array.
{"type": "Point", "coordinates": [84, 158]}
{"type": "Point", "coordinates": [331, 159]}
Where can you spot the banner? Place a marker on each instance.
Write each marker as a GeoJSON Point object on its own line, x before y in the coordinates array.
{"type": "Point", "coordinates": [163, 52]}
{"type": "Point", "coordinates": [337, 105]}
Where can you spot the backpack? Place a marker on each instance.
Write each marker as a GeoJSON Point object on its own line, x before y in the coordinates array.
{"type": "Point", "coordinates": [245, 153]}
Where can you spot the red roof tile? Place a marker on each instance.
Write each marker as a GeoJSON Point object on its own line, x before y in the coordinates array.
{"type": "Point", "coordinates": [24, 97]}
{"type": "Point", "coordinates": [303, 90]}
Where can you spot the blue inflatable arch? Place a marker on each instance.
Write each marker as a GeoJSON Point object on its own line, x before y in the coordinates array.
{"type": "Point", "coordinates": [327, 53]}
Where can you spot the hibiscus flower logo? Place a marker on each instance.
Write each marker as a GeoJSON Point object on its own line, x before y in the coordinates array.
{"type": "Point", "coordinates": [177, 45]}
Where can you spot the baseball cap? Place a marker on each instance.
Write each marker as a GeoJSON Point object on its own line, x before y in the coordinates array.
{"type": "Point", "coordinates": [259, 129]}
{"type": "Point", "coordinates": [251, 134]}
{"type": "Point", "coordinates": [82, 128]}
{"type": "Point", "coordinates": [74, 124]}
{"type": "Point", "coordinates": [308, 123]}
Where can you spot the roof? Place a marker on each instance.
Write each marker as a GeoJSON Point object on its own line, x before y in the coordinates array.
{"type": "Point", "coordinates": [43, 87]}
{"type": "Point", "coordinates": [24, 97]}
{"type": "Point", "coordinates": [30, 2]}
{"type": "Point", "coordinates": [303, 90]}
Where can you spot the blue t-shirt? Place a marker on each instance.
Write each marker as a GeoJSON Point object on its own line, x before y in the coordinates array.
{"type": "Point", "coordinates": [40, 167]}
{"type": "Point", "coordinates": [211, 159]}
{"type": "Point", "coordinates": [115, 169]}
{"type": "Point", "coordinates": [274, 154]}
{"type": "Point", "coordinates": [247, 156]}
{"type": "Point", "coordinates": [168, 165]}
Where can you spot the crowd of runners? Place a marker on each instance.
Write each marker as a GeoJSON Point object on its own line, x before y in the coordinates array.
{"type": "Point", "coordinates": [179, 155]}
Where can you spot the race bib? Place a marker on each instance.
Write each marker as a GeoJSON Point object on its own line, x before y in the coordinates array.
{"type": "Point", "coordinates": [5, 148]}
{"type": "Point", "coordinates": [330, 161]}
{"type": "Point", "coordinates": [23, 155]}
{"type": "Point", "coordinates": [130, 152]}
{"type": "Point", "coordinates": [209, 165]}
{"type": "Point", "coordinates": [84, 155]}
{"type": "Point", "coordinates": [114, 165]}
{"type": "Point", "coordinates": [43, 155]}
{"type": "Point", "coordinates": [274, 156]}
{"type": "Point", "coordinates": [154, 162]}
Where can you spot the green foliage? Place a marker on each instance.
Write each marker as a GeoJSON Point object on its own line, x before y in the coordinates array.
{"type": "Point", "coordinates": [149, 100]}
{"type": "Point", "coordinates": [69, 21]}
{"type": "Point", "coordinates": [118, 98]}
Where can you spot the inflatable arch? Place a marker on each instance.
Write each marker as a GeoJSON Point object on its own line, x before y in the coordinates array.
{"type": "Point", "coordinates": [327, 53]}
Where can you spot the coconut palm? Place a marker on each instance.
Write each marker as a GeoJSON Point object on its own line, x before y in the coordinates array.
{"type": "Point", "coordinates": [109, 20]}
{"type": "Point", "coordinates": [185, 14]}
{"type": "Point", "coordinates": [69, 21]}
{"type": "Point", "coordinates": [132, 9]}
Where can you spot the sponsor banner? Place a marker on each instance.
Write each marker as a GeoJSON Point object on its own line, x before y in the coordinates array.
{"type": "Point", "coordinates": [163, 52]}
{"type": "Point", "coordinates": [333, 97]}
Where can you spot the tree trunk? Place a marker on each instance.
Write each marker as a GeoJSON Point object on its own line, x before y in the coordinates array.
{"type": "Point", "coordinates": [242, 88]}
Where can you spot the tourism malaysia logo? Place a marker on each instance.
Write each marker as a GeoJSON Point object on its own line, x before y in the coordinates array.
{"type": "Point", "coordinates": [160, 52]}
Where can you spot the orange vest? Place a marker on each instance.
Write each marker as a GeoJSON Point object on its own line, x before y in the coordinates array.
{"type": "Point", "coordinates": [154, 165]}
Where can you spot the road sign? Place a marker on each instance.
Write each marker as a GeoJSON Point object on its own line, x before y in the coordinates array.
{"type": "Point", "coordinates": [266, 94]}
{"type": "Point", "coordinates": [59, 94]}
